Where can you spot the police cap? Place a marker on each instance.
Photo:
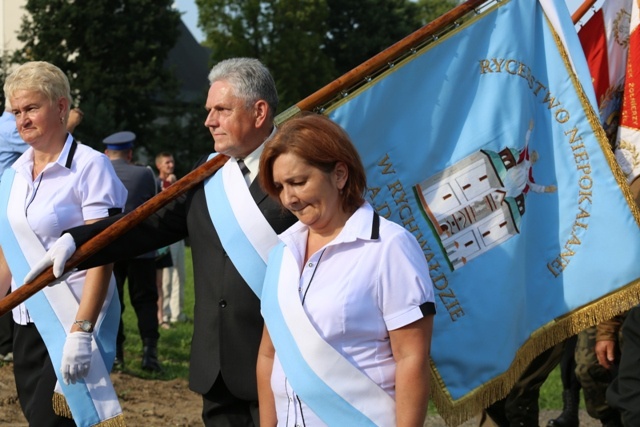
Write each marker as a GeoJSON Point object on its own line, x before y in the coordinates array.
{"type": "Point", "coordinates": [120, 140]}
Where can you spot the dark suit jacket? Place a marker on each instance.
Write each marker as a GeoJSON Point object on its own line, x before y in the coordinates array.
{"type": "Point", "coordinates": [227, 320]}
{"type": "Point", "coordinates": [138, 180]}
{"type": "Point", "coordinates": [140, 183]}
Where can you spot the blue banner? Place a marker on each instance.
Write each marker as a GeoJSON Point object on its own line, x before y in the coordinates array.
{"type": "Point", "coordinates": [485, 146]}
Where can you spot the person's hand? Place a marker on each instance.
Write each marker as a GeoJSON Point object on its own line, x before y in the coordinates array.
{"type": "Point", "coordinates": [75, 117]}
{"type": "Point", "coordinates": [57, 256]}
{"type": "Point", "coordinates": [605, 352]}
{"type": "Point", "coordinates": [76, 357]}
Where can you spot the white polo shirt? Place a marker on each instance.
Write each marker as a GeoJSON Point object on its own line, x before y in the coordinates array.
{"type": "Point", "coordinates": [80, 186]}
{"type": "Point", "coordinates": [355, 290]}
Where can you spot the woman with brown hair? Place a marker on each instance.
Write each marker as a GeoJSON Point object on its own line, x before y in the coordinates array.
{"type": "Point", "coordinates": [347, 300]}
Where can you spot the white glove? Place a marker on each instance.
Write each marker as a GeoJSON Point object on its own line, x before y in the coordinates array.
{"type": "Point", "coordinates": [76, 357]}
{"type": "Point", "coordinates": [57, 256]}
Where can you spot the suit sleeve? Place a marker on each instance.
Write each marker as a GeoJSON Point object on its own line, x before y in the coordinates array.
{"type": "Point", "coordinates": [162, 228]}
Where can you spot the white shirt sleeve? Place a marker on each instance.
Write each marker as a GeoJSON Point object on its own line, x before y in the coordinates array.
{"type": "Point", "coordinates": [100, 189]}
{"type": "Point", "coordinates": [405, 283]}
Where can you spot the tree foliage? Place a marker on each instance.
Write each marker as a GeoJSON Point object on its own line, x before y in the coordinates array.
{"type": "Point", "coordinates": [432, 9]}
{"type": "Point", "coordinates": [305, 43]}
{"type": "Point", "coordinates": [359, 29]}
{"type": "Point", "coordinates": [113, 52]}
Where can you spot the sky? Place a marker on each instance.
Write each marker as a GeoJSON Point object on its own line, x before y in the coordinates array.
{"type": "Point", "coordinates": [190, 14]}
{"type": "Point", "coordinates": [190, 17]}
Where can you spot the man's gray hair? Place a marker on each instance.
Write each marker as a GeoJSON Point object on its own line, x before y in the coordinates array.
{"type": "Point", "coordinates": [250, 79]}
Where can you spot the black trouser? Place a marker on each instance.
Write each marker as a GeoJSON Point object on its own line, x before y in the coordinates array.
{"type": "Point", "coordinates": [624, 391]}
{"type": "Point", "coordinates": [520, 407]}
{"type": "Point", "coordinates": [6, 333]}
{"type": "Point", "coordinates": [143, 294]}
{"type": "Point", "coordinates": [568, 364]}
{"type": "Point", "coordinates": [220, 408]}
{"type": "Point", "coordinates": [35, 378]}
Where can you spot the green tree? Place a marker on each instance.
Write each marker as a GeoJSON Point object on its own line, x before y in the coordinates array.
{"type": "Point", "coordinates": [5, 66]}
{"type": "Point", "coordinates": [359, 29]}
{"type": "Point", "coordinates": [113, 53]}
{"type": "Point", "coordinates": [185, 135]}
{"type": "Point", "coordinates": [297, 57]}
{"type": "Point", "coordinates": [308, 43]}
{"type": "Point", "coordinates": [432, 9]}
{"type": "Point", "coordinates": [286, 35]}
{"type": "Point", "coordinates": [233, 28]}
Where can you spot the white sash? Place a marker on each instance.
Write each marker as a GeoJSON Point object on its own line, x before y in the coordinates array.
{"type": "Point", "coordinates": [93, 400]}
{"type": "Point", "coordinates": [244, 232]}
{"type": "Point", "coordinates": [338, 392]}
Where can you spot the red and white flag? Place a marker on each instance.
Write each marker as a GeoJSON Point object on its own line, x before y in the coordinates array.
{"type": "Point", "coordinates": [628, 143]}
{"type": "Point", "coordinates": [605, 41]}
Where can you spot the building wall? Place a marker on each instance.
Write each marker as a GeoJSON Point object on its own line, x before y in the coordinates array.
{"type": "Point", "coordinates": [11, 12]}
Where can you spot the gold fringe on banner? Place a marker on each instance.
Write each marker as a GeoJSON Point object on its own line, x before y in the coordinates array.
{"type": "Point", "coordinates": [117, 421]}
{"type": "Point", "coordinates": [598, 130]}
{"type": "Point", "coordinates": [60, 406]}
{"type": "Point", "coordinates": [617, 302]}
{"type": "Point", "coordinates": [61, 409]}
{"type": "Point", "coordinates": [455, 413]}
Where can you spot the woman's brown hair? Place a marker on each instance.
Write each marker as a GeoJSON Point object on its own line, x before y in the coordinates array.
{"type": "Point", "coordinates": [322, 144]}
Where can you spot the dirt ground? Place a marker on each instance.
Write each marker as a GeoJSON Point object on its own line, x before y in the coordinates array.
{"type": "Point", "coordinates": [171, 403]}
{"type": "Point", "coordinates": [144, 402]}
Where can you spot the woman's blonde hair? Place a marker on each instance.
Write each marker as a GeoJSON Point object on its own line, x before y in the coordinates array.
{"type": "Point", "coordinates": [42, 77]}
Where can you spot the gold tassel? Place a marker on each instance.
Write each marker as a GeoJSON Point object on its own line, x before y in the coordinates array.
{"type": "Point", "coordinates": [617, 302]}
{"type": "Point", "coordinates": [456, 412]}
{"type": "Point", "coordinates": [117, 421]}
{"type": "Point", "coordinates": [60, 406]}
{"type": "Point", "coordinates": [61, 409]}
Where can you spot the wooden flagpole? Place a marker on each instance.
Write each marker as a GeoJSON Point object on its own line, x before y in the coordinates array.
{"type": "Point", "coordinates": [582, 10]}
{"type": "Point", "coordinates": [389, 55]}
{"type": "Point", "coordinates": [114, 231]}
{"type": "Point", "coordinates": [207, 169]}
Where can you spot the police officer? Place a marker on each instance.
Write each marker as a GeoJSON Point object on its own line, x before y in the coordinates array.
{"type": "Point", "coordinates": [141, 271]}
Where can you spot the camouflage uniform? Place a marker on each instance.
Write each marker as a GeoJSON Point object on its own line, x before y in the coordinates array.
{"type": "Point", "coordinates": [593, 377]}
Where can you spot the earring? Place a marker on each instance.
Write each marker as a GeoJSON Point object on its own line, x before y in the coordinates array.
{"type": "Point", "coordinates": [61, 120]}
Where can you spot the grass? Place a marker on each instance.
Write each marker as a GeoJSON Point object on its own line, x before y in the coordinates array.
{"type": "Point", "coordinates": [550, 394]}
{"type": "Point", "coordinates": [174, 346]}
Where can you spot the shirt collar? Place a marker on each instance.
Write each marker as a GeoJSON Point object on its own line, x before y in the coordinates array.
{"type": "Point", "coordinates": [24, 164]}
{"type": "Point", "coordinates": [357, 227]}
{"type": "Point", "coordinates": [252, 161]}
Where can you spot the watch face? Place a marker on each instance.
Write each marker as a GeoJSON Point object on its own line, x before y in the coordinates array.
{"type": "Point", "coordinates": [85, 325]}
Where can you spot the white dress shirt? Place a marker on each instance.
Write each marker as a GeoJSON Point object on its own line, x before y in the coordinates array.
{"type": "Point", "coordinates": [355, 290]}
{"type": "Point", "coordinates": [62, 197]}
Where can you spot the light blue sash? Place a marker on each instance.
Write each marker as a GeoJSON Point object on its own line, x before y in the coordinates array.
{"type": "Point", "coordinates": [93, 400]}
{"type": "Point", "coordinates": [244, 232]}
{"type": "Point", "coordinates": [337, 392]}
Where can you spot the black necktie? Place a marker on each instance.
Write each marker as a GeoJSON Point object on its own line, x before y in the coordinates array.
{"type": "Point", "coordinates": [244, 169]}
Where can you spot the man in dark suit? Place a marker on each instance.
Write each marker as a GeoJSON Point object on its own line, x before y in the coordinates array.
{"type": "Point", "coordinates": [140, 271]}
{"type": "Point", "coordinates": [241, 102]}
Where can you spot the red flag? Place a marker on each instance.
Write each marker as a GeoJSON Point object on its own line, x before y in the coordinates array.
{"type": "Point", "coordinates": [605, 41]}
{"type": "Point", "coordinates": [628, 144]}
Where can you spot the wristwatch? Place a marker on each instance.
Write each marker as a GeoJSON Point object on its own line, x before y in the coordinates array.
{"type": "Point", "coordinates": [85, 325]}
